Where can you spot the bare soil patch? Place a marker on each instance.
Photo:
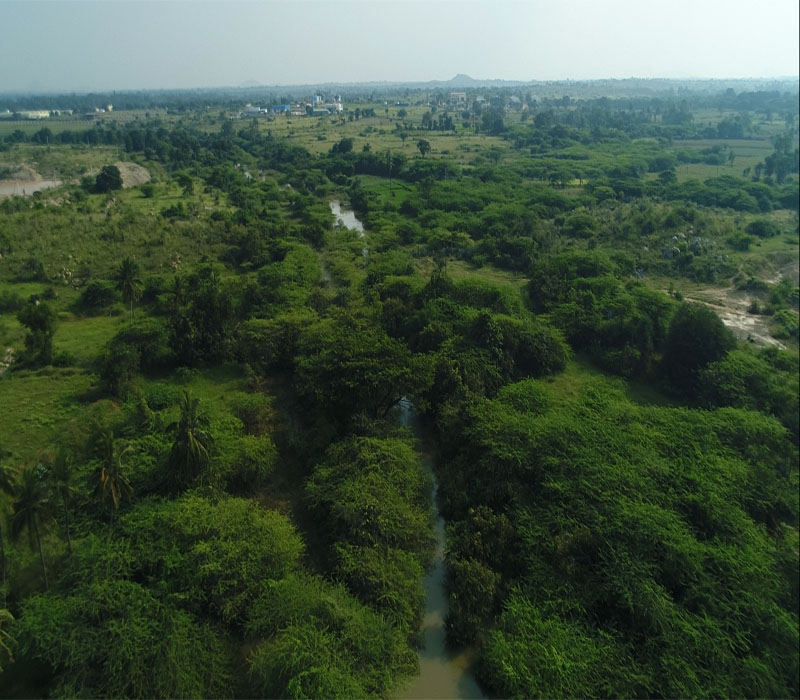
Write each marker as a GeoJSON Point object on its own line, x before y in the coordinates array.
{"type": "Point", "coordinates": [132, 174]}
{"type": "Point", "coordinates": [731, 306]}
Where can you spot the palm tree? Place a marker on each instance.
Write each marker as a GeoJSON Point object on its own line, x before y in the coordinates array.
{"type": "Point", "coordinates": [190, 453]}
{"type": "Point", "coordinates": [128, 281]}
{"type": "Point", "coordinates": [31, 508]}
{"type": "Point", "coordinates": [6, 619]}
{"type": "Point", "coordinates": [8, 478]}
{"type": "Point", "coordinates": [112, 484]}
{"type": "Point", "coordinates": [60, 476]}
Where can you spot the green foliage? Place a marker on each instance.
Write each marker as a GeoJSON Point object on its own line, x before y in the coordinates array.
{"type": "Point", "coordinates": [190, 456]}
{"type": "Point", "coordinates": [531, 655]}
{"type": "Point", "coordinates": [128, 282]}
{"type": "Point", "coordinates": [347, 365]}
{"type": "Point", "coordinates": [322, 643]}
{"type": "Point", "coordinates": [272, 344]}
{"type": "Point", "coordinates": [201, 319]}
{"type": "Point", "coordinates": [96, 298]}
{"type": "Point", "coordinates": [139, 347]}
{"type": "Point", "coordinates": [109, 178]}
{"type": "Point", "coordinates": [762, 228]}
{"type": "Point", "coordinates": [373, 491]}
{"type": "Point", "coordinates": [371, 495]}
{"type": "Point", "coordinates": [245, 462]}
{"type": "Point", "coordinates": [31, 508]}
{"type": "Point", "coordinates": [40, 320]}
{"type": "Point", "coordinates": [6, 641]}
{"type": "Point", "coordinates": [217, 557]}
{"type": "Point", "coordinates": [760, 382]}
{"type": "Point", "coordinates": [696, 338]}
{"type": "Point", "coordinates": [114, 638]}
{"type": "Point", "coordinates": [111, 481]}
{"type": "Point", "coordinates": [630, 583]}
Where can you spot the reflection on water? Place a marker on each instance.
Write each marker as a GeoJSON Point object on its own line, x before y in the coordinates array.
{"type": "Point", "coordinates": [347, 217]}
{"type": "Point", "coordinates": [16, 187]}
{"type": "Point", "coordinates": [441, 674]}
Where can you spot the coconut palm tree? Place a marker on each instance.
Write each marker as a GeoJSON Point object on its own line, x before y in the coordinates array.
{"type": "Point", "coordinates": [190, 454]}
{"type": "Point", "coordinates": [8, 479]}
{"type": "Point", "coordinates": [60, 478]}
{"type": "Point", "coordinates": [128, 281]}
{"type": "Point", "coordinates": [112, 484]}
{"type": "Point", "coordinates": [6, 619]}
{"type": "Point", "coordinates": [31, 508]}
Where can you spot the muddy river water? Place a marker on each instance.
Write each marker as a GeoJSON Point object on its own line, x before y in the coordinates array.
{"type": "Point", "coordinates": [441, 674]}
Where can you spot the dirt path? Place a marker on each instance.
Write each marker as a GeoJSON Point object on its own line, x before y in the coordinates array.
{"type": "Point", "coordinates": [731, 306]}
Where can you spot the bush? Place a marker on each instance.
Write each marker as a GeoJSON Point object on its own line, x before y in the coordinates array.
{"type": "Point", "coordinates": [97, 297]}
{"type": "Point", "coordinates": [10, 302]}
{"type": "Point", "coordinates": [109, 178]}
{"type": "Point", "coordinates": [763, 228]}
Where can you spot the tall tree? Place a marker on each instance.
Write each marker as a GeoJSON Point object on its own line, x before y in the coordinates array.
{"type": "Point", "coordinates": [40, 319]}
{"type": "Point", "coordinates": [60, 477]}
{"type": "Point", "coordinates": [424, 147]}
{"type": "Point", "coordinates": [109, 178]}
{"type": "Point", "coordinates": [190, 454]}
{"type": "Point", "coordinates": [112, 484]}
{"type": "Point", "coordinates": [31, 508]}
{"type": "Point", "coordinates": [6, 619]}
{"type": "Point", "coordinates": [8, 479]}
{"type": "Point", "coordinates": [128, 281]}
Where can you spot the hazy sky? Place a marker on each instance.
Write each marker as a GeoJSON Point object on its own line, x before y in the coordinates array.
{"type": "Point", "coordinates": [115, 44]}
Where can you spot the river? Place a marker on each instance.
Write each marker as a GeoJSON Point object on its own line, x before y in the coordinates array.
{"type": "Point", "coordinates": [441, 673]}
{"type": "Point", "coordinates": [348, 219]}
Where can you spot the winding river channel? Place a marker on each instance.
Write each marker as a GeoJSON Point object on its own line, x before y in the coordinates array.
{"type": "Point", "coordinates": [442, 675]}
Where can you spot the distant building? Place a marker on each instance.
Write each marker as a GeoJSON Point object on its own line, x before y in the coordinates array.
{"type": "Point", "coordinates": [280, 109]}
{"type": "Point", "coordinates": [34, 114]}
{"type": "Point", "coordinates": [458, 98]}
{"type": "Point", "coordinates": [320, 112]}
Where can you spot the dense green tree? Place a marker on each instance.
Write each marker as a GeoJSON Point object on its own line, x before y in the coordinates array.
{"type": "Point", "coordinates": [696, 338]}
{"type": "Point", "coordinates": [320, 642]}
{"type": "Point", "coordinates": [347, 365]}
{"type": "Point", "coordinates": [202, 329]}
{"type": "Point", "coordinates": [40, 320]}
{"type": "Point", "coordinates": [110, 637]}
{"type": "Point", "coordinates": [424, 147]}
{"type": "Point", "coordinates": [216, 558]}
{"type": "Point", "coordinates": [632, 592]}
{"type": "Point", "coordinates": [109, 178]}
